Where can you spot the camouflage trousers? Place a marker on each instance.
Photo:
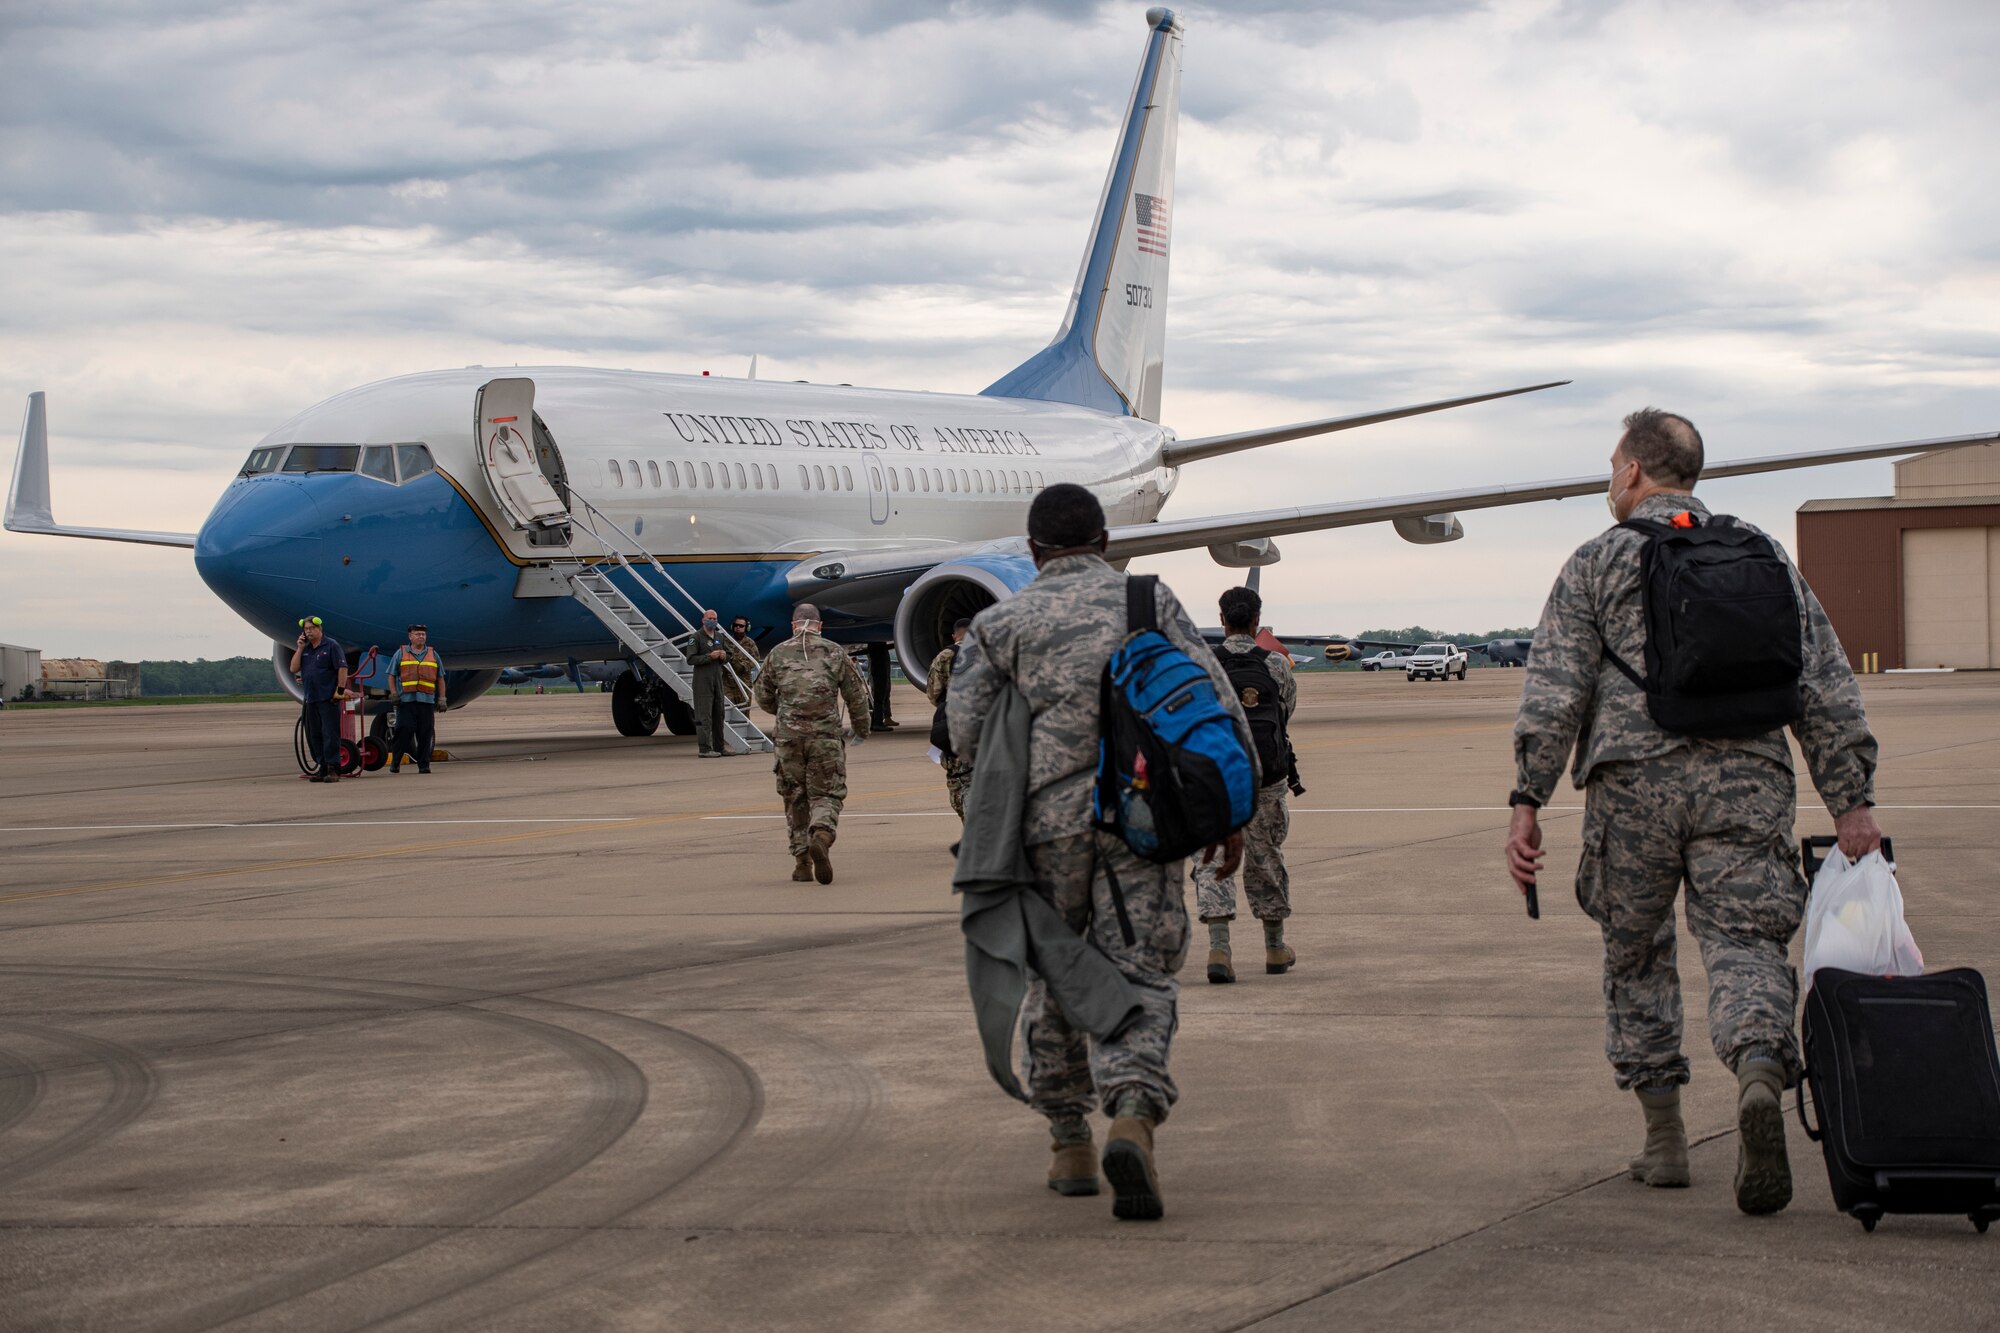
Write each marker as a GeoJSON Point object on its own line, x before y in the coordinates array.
{"type": "Point", "coordinates": [812, 782]}
{"type": "Point", "coordinates": [1066, 1073]}
{"type": "Point", "coordinates": [957, 782]}
{"type": "Point", "coordinates": [1721, 820]}
{"type": "Point", "coordinates": [1266, 882]}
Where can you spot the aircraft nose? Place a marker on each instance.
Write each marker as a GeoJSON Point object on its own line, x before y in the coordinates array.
{"type": "Point", "coordinates": [260, 551]}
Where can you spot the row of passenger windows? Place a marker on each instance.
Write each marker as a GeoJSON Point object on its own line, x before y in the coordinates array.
{"type": "Point", "coordinates": [393, 463]}
{"type": "Point", "coordinates": [820, 477]}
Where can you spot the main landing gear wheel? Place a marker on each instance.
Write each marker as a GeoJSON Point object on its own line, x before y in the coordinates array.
{"type": "Point", "coordinates": [633, 711]}
{"type": "Point", "coordinates": [679, 716]}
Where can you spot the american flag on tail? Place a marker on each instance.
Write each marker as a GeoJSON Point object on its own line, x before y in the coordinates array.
{"type": "Point", "coordinates": [1151, 214]}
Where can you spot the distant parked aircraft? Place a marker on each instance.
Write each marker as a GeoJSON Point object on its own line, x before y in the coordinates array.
{"type": "Point", "coordinates": [1504, 652]}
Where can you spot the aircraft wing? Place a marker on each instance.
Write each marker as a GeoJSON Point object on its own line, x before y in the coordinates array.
{"type": "Point", "coordinates": [1138, 539]}
{"type": "Point", "coordinates": [28, 507]}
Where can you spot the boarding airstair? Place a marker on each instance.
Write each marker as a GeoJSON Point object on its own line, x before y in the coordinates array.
{"type": "Point", "coordinates": [591, 586]}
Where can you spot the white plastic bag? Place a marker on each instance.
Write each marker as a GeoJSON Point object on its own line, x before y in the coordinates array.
{"type": "Point", "coordinates": [1854, 920]}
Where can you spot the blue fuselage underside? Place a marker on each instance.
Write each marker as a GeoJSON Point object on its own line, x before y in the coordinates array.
{"type": "Point", "coordinates": [371, 559]}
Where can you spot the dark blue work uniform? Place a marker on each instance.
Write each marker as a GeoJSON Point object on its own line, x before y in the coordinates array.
{"type": "Point", "coordinates": [319, 675]}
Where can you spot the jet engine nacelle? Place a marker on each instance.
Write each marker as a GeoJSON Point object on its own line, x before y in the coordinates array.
{"type": "Point", "coordinates": [1252, 554]}
{"type": "Point", "coordinates": [1429, 530]}
{"type": "Point", "coordinates": [460, 687]}
{"type": "Point", "coordinates": [936, 601]}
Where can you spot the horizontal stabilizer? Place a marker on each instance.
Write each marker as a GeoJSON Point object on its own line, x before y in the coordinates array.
{"type": "Point", "coordinates": [1137, 539]}
{"type": "Point", "coordinates": [28, 507]}
{"type": "Point", "coordinates": [1214, 446]}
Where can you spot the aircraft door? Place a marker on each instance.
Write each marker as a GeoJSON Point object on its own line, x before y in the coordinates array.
{"type": "Point", "coordinates": [503, 415]}
{"type": "Point", "coordinates": [878, 491]}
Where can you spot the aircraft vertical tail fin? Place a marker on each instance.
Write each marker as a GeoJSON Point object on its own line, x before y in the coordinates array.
{"type": "Point", "coordinates": [1111, 349]}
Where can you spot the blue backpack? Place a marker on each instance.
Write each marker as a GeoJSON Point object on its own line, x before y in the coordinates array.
{"type": "Point", "coordinates": [1173, 775]}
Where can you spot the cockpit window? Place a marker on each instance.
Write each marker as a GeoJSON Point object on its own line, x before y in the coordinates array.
{"type": "Point", "coordinates": [379, 461]}
{"type": "Point", "coordinates": [414, 460]}
{"type": "Point", "coordinates": [262, 460]}
{"type": "Point", "coordinates": [323, 458]}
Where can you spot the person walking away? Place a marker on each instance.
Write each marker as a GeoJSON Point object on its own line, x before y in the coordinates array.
{"type": "Point", "coordinates": [1264, 685]}
{"type": "Point", "coordinates": [1707, 795]}
{"type": "Point", "coordinates": [736, 681]}
{"type": "Point", "coordinates": [707, 652]}
{"type": "Point", "coordinates": [937, 684]}
{"type": "Point", "coordinates": [419, 700]}
{"type": "Point", "coordinates": [804, 681]}
{"type": "Point", "coordinates": [1052, 641]}
{"type": "Point", "coordinates": [320, 665]}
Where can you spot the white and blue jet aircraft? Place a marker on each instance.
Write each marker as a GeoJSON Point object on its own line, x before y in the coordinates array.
{"type": "Point", "coordinates": [562, 513]}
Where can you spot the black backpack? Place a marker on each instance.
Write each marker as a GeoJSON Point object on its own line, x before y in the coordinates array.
{"type": "Point", "coordinates": [1257, 690]}
{"type": "Point", "coordinates": [941, 729]}
{"type": "Point", "coordinates": [1723, 647]}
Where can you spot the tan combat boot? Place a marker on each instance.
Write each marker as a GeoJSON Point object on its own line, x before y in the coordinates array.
{"type": "Point", "coordinates": [1220, 969]}
{"type": "Point", "coordinates": [1278, 955]}
{"type": "Point", "coordinates": [1073, 1172]}
{"type": "Point", "coordinates": [1763, 1173]}
{"type": "Point", "coordinates": [822, 864]}
{"type": "Point", "coordinates": [1663, 1162]}
{"type": "Point", "coordinates": [802, 868]}
{"type": "Point", "coordinates": [1128, 1165]}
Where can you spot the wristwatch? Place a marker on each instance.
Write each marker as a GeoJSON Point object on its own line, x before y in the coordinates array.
{"type": "Point", "coordinates": [1518, 797]}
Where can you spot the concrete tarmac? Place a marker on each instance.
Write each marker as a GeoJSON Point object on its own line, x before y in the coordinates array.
{"type": "Point", "coordinates": [549, 1039]}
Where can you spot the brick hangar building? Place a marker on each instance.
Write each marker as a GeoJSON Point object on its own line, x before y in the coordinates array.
{"type": "Point", "coordinates": [1913, 579]}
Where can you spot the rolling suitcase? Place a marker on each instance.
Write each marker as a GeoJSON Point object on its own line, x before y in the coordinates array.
{"type": "Point", "coordinates": [1906, 1086]}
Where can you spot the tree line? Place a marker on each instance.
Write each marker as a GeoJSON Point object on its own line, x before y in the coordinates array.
{"type": "Point", "coordinates": [224, 675]}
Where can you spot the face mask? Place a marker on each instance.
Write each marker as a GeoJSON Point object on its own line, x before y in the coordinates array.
{"type": "Point", "coordinates": [1611, 499]}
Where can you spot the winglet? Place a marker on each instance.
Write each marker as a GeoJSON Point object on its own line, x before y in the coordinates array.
{"type": "Point", "coordinates": [28, 506]}
{"type": "Point", "coordinates": [28, 497]}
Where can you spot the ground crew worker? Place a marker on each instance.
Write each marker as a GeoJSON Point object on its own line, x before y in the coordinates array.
{"type": "Point", "coordinates": [803, 682]}
{"type": "Point", "coordinates": [743, 665]}
{"type": "Point", "coordinates": [1660, 807]}
{"type": "Point", "coordinates": [1052, 641]}
{"type": "Point", "coordinates": [937, 683]}
{"type": "Point", "coordinates": [706, 652]}
{"type": "Point", "coordinates": [419, 699]}
{"type": "Point", "coordinates": [1265, 687]}
{"type": "Point", "coordinates": [320, 665]}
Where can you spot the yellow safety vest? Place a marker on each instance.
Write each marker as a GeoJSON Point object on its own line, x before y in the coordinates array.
{"type": "Point", "coordinates": [418, 674]}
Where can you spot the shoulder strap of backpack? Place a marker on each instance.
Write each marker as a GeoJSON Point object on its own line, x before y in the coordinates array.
{"type": "Point", "coordinates": [1142, 603]}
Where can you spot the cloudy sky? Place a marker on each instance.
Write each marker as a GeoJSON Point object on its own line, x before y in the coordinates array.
{"type": "Point", "coordinates": [1777, 218]}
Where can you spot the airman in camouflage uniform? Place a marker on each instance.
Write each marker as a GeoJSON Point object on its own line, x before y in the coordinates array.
{"type": "Point", "coordinates": [1660, 808]}
{"type": "Point", "coordinates": [1266, 882]}
{"type": "Point", "coordinates": [803, 682]}
{"type": "Point", "coordinates": [937, 682]}
{"type": "Point", "coordinates": [1052, 641]}
{"type": "Point", "coordinates": [735, 684]}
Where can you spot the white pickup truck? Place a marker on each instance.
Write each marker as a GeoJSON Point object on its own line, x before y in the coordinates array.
{"type": "Point", "coordinates": [1435, 661]}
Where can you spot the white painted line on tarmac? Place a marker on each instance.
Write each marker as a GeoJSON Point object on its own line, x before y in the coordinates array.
{"type": "Point", "coordinates": [853, 814]}
{"type": "Point", "coordinates": [316, 823]}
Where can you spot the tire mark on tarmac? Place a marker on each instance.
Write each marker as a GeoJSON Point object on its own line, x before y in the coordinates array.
{"type": "Point", "coordinates": [134, 1083]}
{"type": "Point", "coordinates": [22, 1083]}
{"type": "Point", "coordinates": [617, 1098]}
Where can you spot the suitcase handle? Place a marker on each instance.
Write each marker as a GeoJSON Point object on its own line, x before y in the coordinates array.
{"type": "Point", "coordinates": [1814, 1134]}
